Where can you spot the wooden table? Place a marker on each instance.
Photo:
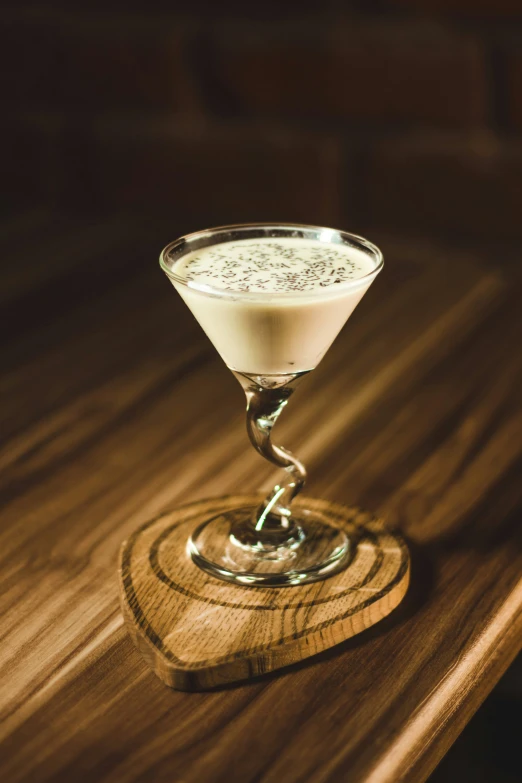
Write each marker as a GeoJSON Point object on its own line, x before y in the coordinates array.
{"type": "Point", "coordinates": [115, 406]}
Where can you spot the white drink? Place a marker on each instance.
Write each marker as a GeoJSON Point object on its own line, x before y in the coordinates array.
{"type": "Point", "coordinates": [273, 305]}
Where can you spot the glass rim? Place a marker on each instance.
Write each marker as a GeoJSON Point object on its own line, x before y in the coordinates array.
{"type": "Point", "coordinates": [184, 245]}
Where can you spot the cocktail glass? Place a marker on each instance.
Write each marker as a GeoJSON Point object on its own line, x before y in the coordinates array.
{"type": "Point", "coordinates": [270, 342]}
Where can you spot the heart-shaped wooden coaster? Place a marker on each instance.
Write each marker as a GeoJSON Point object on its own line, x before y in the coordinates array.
{"type": "Point", "coordinates": [197, 632]}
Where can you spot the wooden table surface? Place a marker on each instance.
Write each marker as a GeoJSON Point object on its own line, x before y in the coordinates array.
{"type": "Point", "coordinates": [115, 406]}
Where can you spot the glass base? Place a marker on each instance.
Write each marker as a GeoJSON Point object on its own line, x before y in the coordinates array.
{"type": "Point", "coordinates": [307, 550]}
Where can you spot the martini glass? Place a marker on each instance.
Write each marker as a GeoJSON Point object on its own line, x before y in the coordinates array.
{"type": "Point", "coordinates": [270, 341]}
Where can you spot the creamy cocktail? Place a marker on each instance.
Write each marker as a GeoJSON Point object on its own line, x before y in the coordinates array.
{"type": "Point", "coordinates": [273, 305]}
{"type": "Point", "coordinates": [272, 299]}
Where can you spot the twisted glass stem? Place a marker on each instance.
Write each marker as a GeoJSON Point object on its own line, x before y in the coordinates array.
{"type": "Point", "coordinates": [272, 524]}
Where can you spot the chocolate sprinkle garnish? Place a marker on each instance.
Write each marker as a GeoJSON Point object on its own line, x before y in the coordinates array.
{"type": "Point", "coordinates": [274, 266]}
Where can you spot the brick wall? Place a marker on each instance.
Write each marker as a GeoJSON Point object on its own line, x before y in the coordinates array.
{"type": "Point", "coordinates": [399, 115]}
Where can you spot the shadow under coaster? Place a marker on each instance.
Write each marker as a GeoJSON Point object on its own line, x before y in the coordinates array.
{"type": "Point", "coordinates": [198, 632]}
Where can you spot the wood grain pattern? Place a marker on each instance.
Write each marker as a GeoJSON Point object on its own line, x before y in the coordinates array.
{"type": "Point", "coordinates": [197, 632]}
{"type": "Point", "coordinates": [114, 407]}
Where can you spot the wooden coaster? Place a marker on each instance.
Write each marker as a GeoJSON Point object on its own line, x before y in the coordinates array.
{"type": "Point", "coordinates": [197, 632]}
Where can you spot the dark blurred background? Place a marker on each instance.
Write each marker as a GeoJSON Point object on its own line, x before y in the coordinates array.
{"type": "Point", "coordinates": [392, 119]}
{"type": "Point", "coordinates": [379, 116]}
